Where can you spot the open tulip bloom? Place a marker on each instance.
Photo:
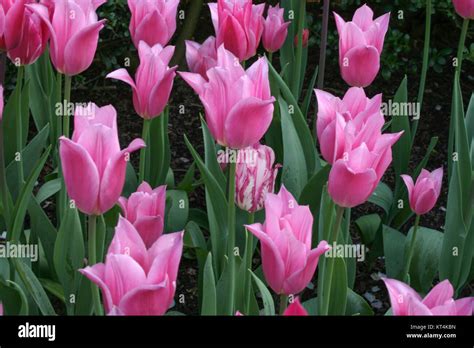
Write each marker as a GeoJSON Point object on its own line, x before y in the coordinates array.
{"type": "Point", "coordinates": [250, 197]}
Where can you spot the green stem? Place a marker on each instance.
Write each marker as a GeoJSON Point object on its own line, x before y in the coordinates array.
{"type": "Point", "coordinates": [248, 263]}
{"type": "Point", "coordinates": [424, 69]}
{"type": "Point", "coordinates": [270, 57]}
{"type": "Point", "coordinates": [67, 99]}
{"type": "Point", "coordinates": [19, 127]}
{"type": "Point", "coordinates": [406, 269]}
{"type": "Point", "coordinates": [231, 236]}
{"type": "Point", "coordinates": [4, 192]}
{"type": "Point", "coordinates": [299, 50]}
{"type": "Point", "coordinates": [92, 244]}
{"type": "Point", "coordinates": [329, 262]}
{"type": "Point", "coordinates": [145, 136]}
{"type": "Point", "coordinates": [283, 303]}
{"type": "Point", "coordinates": [460, 54]}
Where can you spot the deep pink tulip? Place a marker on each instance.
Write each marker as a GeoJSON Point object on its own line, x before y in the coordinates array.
{"type": "Point", "coordinates": [288, 261]}
{"type": "Point", "coordinates": [439, 301]}
{"type": "Point", "coordinates": [4, 8]}
{"type": "Point", "coordinates": [145, 209]}
{"type": "Point", "coordinates": [153, 21]}
{"type": "Point", "coordinates": [25, 35]}
{"type": "Point", "coordinates": [425, 192]}
{"type": "Point", "coordinates": [355, 176]}
{"type": "Point", "coordinates": [238, 103]}
{"type": "Point", "coordinates": [354, 111]}
{"type": "Point", "coordinates": [93, 165]}
{"type": "Point", "coordinates": [153, 80]}
{"type": "Point", "coordinates": [295, 309]}
{"type": "Point", "coordinates": [465, 8]}
{"type": "Point", "coordinates": [360, 46]}
{"type": "Point", "coordinates": [74, 29]}
{"type": "Point", "coordinates": [275, 29]}
{"type": "Point", "coordinates": [135, 280]}
{"type": "Point", "coordinates": [305, 38]}
{"type": "Point", "coordinates": [238, 25]}
{"type": "Point", "coordinates": [201, 58]}
{"type": "Point", "coordinates": [255, 177]}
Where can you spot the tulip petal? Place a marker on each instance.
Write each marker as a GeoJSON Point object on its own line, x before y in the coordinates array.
{"type": "Point", "coordinates": [124, 76]}
{"type": "Point", "coordinates": [80, 175]}
{"type": "Point", "coordinates": [465, 306]}
{"type": "Point", "coordinates": [146, 300]}
{"type": "Point", "coordinates": [415, 307]}
{"type": "Point", "coordinates": [399, 295]}
{"type": "Point", "coordinates": [147, 30]}
{"type": "Point", "coordinates": [295, 309]}
{"type": "Point", "coordinates": [360, 66]}
{"type": "Point", "coordinates": [150, 228]}
{"type": "Point", "coordinates": [96, 274]}
{"type": "Point", "coordinates": [438, 296]}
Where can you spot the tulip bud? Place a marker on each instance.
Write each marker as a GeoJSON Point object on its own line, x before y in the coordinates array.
{"type": "Point", "coordinates": [360, 46]}
{"type": "Point", "coordinates": [93, 165]}
{"type": "Point", "coordinates": [288, 261]}
{"type": "Point", "coordinates": [275, 29]}
{"type": "Point", "coordinates": [145, 209]}
{"type": "Point", "coordinates": [464, 8]}
{"type": "Point", "coordinates": [305, 38]}
{"type": "Point", "coordinates": [153, 22]}
{"type": "Point", "coordinates": [255, 177]}
{"type": "Point", "coordinates": [235, 120]}
{"type": "Point", "coordinates": [424, 194]}
{"type": "Point", "coordinates": [153, 80]}
{"type": "Point", "coordinates": [238, 25]}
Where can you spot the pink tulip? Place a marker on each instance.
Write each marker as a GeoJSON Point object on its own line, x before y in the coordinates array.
{"type": "Point", "coordinates": [201, 58]}
{"type": "Point", "coordinates": [4, 8]}
{"type": "Point", "coordinates": [305, 38]}
{"type": "Point", "coordinates": [153, 80]}
{"type": "Point", "coordinates": [74, 29]}
{"type": "Point", "coordinates": [25, 36]}
{"type": "Point", "coordinates": [93, 165]}
{"type": "Point", "coordinates": [153, 21]}
{"type": "Point", "coordinates": [354, 111]}
{"type": "Point", "coordinates": [275, 29]}
{"type": "Point", "coordinates": [439, 301]}
{"type": "Point", "coordinates": [360, 46]}
{"type": "Point", "coordinates": [238, 25]}
{"type": "Point", "coordinates": [355, 176]}
{"type": "Point", "coordinates": [135, 280]}
{"type": "Point", "coordinates": [295, 309]}
{"type": "Point", "coordinates": [288, 261]}
{"type": "Point", "coordinates": [238, 103]}
{"type": "Point", "coordinates": [1, 309]}
{"type": "Point", "coordinates": [145, 209]}
{"type": "Point", "coordinates": [465, 8]}
{"type": "Point", "coordinates": [255, 177]}
{"type": "Point", "coordinates": [424, 194]}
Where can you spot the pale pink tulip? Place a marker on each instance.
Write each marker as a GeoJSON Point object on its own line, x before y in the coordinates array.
{"type": "Point", "coordinates": [465, 8]}
{"type": "Point", "coordinates": [425, 192]}
{"type": "Point", "coordinates": [288, 261]}
{"type": "Point", "coordinates": [134, 280]}
{"type": "Point", "coordinates": [439, 301]}
{"type": "Point", "coordinates": [255, 177]}
{"type": "Point", "coordinates": [360, 46]}
{"type": "Point", "coordinates": [153, 21]}
{"type": "Point", "coordinates": [295, 309]}
{"type": "Point", "coordinates": [355, 176]}
{"type": "Point", "coordinates": [25, 35]}
{"type": "Point", "coordinates": [74, 29]}
{"type": "Point", "coordinates": [153, 80]}
{"type": "Point", "coordinates": [275, 29]}
{"type": "Point", "coordinates": [238, 25]}
{"type": "Point", "coordinates": [93, 165]}
{"type": "Point", "coordinates": [201, 58]}
{"type": "Point", "coordinates": [238, 103]}
{"type": "Point", "coordinates": [145, 209]}
{"type": "Point", "coordinates": [354, 111]}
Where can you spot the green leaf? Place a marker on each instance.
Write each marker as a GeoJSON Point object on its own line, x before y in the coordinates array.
{"type": "Point", "coordinates": [131, 181]}
{"type": "Point", "coordinates": [34, 287]}
{"type": "Point", "coordinates": [53, 288]}
{"type": "Point", "coordinates": [424, 264]}
{"type": "Point", "coordinates": [368, 226]}
{"type": "Point", "coordinates": [187, 183]}
{"type": "Point", "coordinates": [394, 246]}
{"type": "Point", "coordinates": [159, 149]}
{"type": "Point", "coordinates": [177, 210]}
{"type": "Point", "coordinates": [309, 93]}
{"type": "Point", "coordinates": [209, 305]}
{"type": "Point", "coordinates": [23, 199]}
{"type": "Point", "coordinates": [382, 197]}
{"type": "Point", "coordinates": [48, 190]}
{"type": "Point", "coordinates": [268, 304]}
{"type": "Point", "coordinates": [13, 298]}
{"type": "Point", "coordinates": [338, 292]}
{"type": "Point", "coordinates": [295, 173]}
{"type": "Point", "coordinates": [357, 305]}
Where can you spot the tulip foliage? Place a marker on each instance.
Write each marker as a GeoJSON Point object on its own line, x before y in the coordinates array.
{"type": "Point", "coordinates": [280, 184]}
